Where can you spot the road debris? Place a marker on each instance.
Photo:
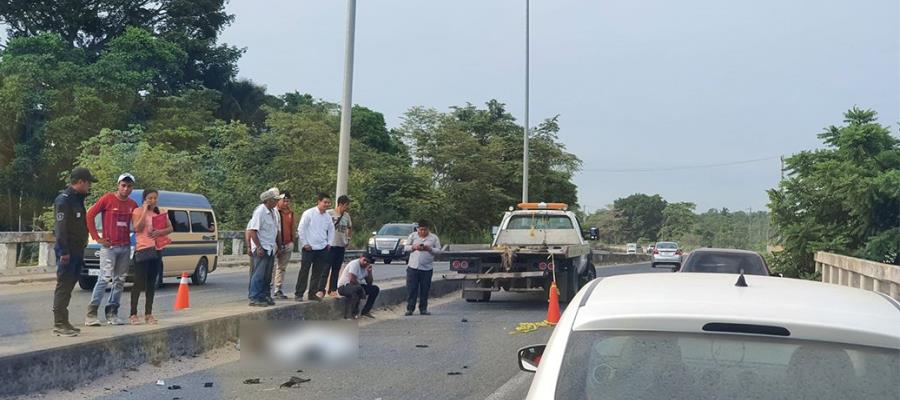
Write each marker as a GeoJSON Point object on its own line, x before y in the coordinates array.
{"type": "Point", "coordinates": [454, 373]}
{"type": "Point", "coordinates": [208, 384]}
{"type": "Point", "coordinates": [526, 327]}
{"type": "Point", "coordinates": [160, 383]}
{"type": "Point", "coordinates": [294, 382]}
{"type": "Point", "coordinates": [175, 387]}
{"type": "Point", "coordinates": [464, 320]}
{"type": "Point", "coordinates": [422, 346]}
{"type": "Point", "coordinates": [252, 381]}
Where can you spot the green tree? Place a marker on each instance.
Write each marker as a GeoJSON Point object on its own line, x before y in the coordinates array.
{"type": "Point", "coordinates": [679, 222]}
{"type": "Point", "coordinates": [641, 215]}
{"type": "Point", "coordinates": [843, 198]}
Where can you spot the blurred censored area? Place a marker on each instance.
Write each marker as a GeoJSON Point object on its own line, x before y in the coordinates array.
{"type": "Point", "coordinates": [280, 345]}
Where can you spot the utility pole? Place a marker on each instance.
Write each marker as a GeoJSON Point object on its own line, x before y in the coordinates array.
{"type": "Point", "coordinates": [525, 140]}
{"type": "Point", "coordinates": [343, 170]}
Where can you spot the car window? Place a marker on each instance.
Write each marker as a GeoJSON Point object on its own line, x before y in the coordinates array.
{"type": "Point", "coordinates": [642, 365]}
{"type": "Point", "coordinates": [667, 246]}
{"type": "Point", "coordinates": [202, 221]}
{"type": "Point", "coordinates": [180, 222]}
{"type": "Point", "coordinates": [396, 230]}
{"type": "Point", "coordinates": [539, 222]}
{"type": "Point", "coordinates": [728, 263]}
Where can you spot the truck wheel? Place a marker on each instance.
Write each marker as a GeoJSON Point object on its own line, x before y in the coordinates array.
{"type": "Point", "coordinates": [475, 296]}
{"type": "Point", "coordinates": [87, 282]}
{"type": "Point", "coordinates": [387, 260]}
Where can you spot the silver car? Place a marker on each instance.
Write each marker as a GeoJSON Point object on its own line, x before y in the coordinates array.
{"type": "Point", "coordinates": [666, 253]}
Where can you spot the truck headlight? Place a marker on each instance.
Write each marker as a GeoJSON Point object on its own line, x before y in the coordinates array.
{"type": "Point", "coordinates": [404, 242]}
{"type": "Point", "coordinates": [371, 241]}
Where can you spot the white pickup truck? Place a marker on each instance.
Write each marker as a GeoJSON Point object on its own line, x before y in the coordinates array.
{"type": "Point", "coordinates": [532, 245]}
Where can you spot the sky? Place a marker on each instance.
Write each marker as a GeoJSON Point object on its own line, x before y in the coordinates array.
{"type": "Point", "coordinates": [695, 100]}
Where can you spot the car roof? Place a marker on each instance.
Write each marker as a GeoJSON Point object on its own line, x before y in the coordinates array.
{"type": "Point", "coordinates": [169, 199]}
{"type": "Point", "coordinates": [723, 251]}
{"type": "Point", "coordinates": [687, 302]}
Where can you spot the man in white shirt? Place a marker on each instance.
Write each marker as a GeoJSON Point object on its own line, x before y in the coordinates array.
{"type": "Point", "coordinates": [422, 247]}
{"type": "Point", "coordinates": [314, 234]}
{"type": "Point", "coordinates": [263, 229]}
{"type": "Point", "coordinates": [355, 284]}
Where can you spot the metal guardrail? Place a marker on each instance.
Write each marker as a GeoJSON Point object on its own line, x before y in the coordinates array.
{"type": "Point", "coordinates": [859, 273]}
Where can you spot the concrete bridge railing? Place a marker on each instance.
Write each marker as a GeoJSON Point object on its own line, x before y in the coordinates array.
{"type": "Point", "coordinates": [859, 273]}
{"type": "Point", "coordinates": [17, 251]}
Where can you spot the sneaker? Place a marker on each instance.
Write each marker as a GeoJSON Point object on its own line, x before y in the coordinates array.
{"type": "Point", "coordinates": [115, 320]}
{"type": "Point", "coordinates": [62, 330]}
{"type": "Point", "coordinates": [408, 313]}
{"type": "Point", "coordinates": [368, 315]}
{"type": "Point", "coordinates": [257, 303]}
{"type": "Point", "coordinates": [270, 302]}
{"type": "Point", "coordinates": [424, 312]}
{"type": "Point", "coordinates": [92, 321]}
{"type": "Point", "coordinates": [68, 325]}
{"type": "Point", "coordinates": [279, 296]}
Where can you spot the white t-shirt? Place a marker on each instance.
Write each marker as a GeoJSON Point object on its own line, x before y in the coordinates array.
{"type": "Point", "coordinates": [355, 268]}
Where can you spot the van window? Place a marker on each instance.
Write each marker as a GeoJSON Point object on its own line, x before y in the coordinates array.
{"type": "Point", "coordinates": [202, 221]}
{"type": "Point", "coordinates": [180, 222]}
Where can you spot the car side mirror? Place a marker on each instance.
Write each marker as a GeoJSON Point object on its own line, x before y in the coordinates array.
{"type": "Point", "coordinates": [530, 357]}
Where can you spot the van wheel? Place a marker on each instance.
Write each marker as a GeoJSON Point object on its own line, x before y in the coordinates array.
{"type": "Point", "coordinates": [87, 282]}
{"type": "Point", "coordinates": [200, 274]}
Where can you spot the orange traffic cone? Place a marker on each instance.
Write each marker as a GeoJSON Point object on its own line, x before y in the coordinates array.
{"type": "Point", "coordinates": [553, 308]}
{"type": "Point", "coordinates": [183, 298]}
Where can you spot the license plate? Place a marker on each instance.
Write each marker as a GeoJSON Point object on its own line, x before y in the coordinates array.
{"type": "Point", "coordinates": [385, 252]}
{"type": "Point", "coordinates": [94, 272]}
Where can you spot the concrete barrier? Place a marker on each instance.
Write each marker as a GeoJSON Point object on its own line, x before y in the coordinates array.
{"type": "Point", "coordinates": [72, 363]}
{"type": "Point", "coordinates": [859, 273]}
{"type": "Point", "coordinates": [615, 258]}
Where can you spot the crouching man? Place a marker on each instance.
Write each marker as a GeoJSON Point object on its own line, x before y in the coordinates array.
{"type": "Point", "coordinates": [356, 284]}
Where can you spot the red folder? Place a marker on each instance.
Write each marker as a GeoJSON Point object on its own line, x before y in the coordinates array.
{"type": "Point", "coordinates": [161, 222]}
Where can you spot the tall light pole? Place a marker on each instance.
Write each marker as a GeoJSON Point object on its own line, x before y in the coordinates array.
{"type": "Point", "coordinates": [343, 170]}
{"type": "Point", "coordinates": [525, 140]}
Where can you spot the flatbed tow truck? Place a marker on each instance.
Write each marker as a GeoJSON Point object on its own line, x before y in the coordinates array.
{"type": "Point", "coordinates": [533, 243]}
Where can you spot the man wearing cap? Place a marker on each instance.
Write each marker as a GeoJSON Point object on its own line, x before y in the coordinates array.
{"type": "Point", "coordinates": [286, 239]}
{"type": "Point", "coordinates": [115, 248]}
{"type": "Point", "coordinates": [263, 228]}
{"type": "Point", "coordinates": [71, 239]}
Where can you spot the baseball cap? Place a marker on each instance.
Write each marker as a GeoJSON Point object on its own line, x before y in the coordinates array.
{"type": "Point", "coordinates": [124, 177]}
{"type": "Point", "coordinates": [82, 174]}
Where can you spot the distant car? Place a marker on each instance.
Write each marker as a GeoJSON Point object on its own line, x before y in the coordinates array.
{"type": "Point", "coordinates": [666, 253]}
{"type": "Point", "coordinates": [631, 248]}
{"type": "Point", "coordinates": [701, 336]}
{"type": "Point", "coordinates": [727, 261]}
{"type": "Point", "coordinates": [594, 233]}
{"type": "Point", "coordinates": [389, 242]}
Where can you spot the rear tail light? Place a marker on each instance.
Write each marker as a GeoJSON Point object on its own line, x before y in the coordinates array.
{"type": "Point", "coordinates": [456, 264]}
{"type": "Point", "coordinates": [542, 266]}
{"type": "Point", "coordinates": [464, 264]}
{"type": "Point", "coordinates": [655, 251]}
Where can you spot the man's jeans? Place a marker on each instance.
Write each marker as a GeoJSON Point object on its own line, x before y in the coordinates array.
{"type": "Point", "coordinates": [352, 296]}
{"type": "Point", "coordinates": [259, 281]}
{"type": "Point", "coordinates": [114, 263]}
{"type": "Point", "coordinates": [418, 284]}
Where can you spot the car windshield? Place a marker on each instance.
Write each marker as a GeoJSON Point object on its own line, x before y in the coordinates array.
{"type": "Point", "coordinates": [645, 365]}
{"type": "Point", "coordinates": [667, 246]}
{"type": "Point", "coordinates": [539, 222]}
{"type": "Point", "coordinates": [396, 230]}
{"type": "Point", "coordinates": [728, 263]}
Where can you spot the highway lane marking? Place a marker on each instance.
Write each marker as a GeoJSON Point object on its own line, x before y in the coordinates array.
{"type": "Point", "coordinates": [513, 385]}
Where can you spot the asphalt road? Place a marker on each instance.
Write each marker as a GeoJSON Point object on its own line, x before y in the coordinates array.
{"type": "Point", "coordinates": [26, 307]}
{"type": "Point", "coordinates": [391, 366]}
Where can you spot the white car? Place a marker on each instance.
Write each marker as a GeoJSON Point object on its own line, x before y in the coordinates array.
{"type": "Point", "coordinates": [631, 248]}
{"type": "Point", "coordinates": [719, 336]}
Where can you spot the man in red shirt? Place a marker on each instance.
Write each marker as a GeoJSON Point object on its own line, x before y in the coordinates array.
{"type": "Point", "coordinates": [115, 248]}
